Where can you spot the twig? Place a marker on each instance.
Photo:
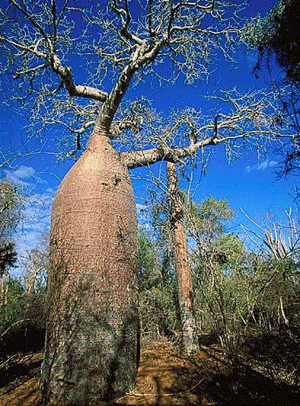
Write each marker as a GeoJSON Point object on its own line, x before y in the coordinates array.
{"type": "Point", "coordinates": [9, 359]}
{"type": "Point", "coordinates": [282, 312]}
{"type": "Point", "coordinates": [17, 322]}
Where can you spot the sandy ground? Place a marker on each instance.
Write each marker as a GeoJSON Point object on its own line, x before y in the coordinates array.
{"type": "Point", "coordinates": [167, 378]}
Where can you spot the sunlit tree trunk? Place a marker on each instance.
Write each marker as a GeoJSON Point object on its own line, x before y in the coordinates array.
{"type": "Point", "coordinates": [92, 345]}
{"type": "Point", "coordinates": [31, 279]}
{"type": "Point", "coordinates": [190, 342]}
{"type": "Point", "coordinates": [4, 286]}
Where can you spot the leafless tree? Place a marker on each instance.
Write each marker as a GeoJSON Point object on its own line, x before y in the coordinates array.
{"type": "Point", "coordinates": [75, 63]}
{"type": "Point", "coordinates": [35, 263]}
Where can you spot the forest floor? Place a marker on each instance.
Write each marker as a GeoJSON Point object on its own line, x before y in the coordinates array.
{"type": "Point", "coordinates": [265, 374]}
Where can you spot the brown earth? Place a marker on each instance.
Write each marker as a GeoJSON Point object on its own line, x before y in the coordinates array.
{"type": "Point", "coordinates": [168, 378]}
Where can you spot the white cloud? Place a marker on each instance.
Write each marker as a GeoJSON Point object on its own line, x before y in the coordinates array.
{"type": "Point", "coordinates": [37, 203]}
{"type": "Point", "coordinates": [141, 208]}
{"type": "Point", "coordinates": [35, 222]}
{"type": "Point", "coordinates": [36, 219]}
{"type": "Point", "coordinates": [261, 166]}
{"type": "Point", "coordinates": [22, 176]}
{"type": "Point", "coordinates": [24, 172]}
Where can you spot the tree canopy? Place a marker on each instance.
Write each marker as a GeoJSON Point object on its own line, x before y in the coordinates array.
{"type": "Point", "coordinates": [52, 58]}
{"type": "Point", "coordinates": [75, 62]}
{"type": "Point", "coordinates": [278, 34]}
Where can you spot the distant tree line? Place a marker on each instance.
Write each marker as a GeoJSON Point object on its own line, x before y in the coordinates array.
{"type": "Point", "coordinates": [237, 292]}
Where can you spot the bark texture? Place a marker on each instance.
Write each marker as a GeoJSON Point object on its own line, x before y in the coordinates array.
{"type": "Point", "coordinates": [190, 343]}
{"type": "Point", "coordinates": [92, 347]}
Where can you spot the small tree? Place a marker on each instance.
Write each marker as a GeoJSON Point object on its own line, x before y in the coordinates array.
{"type": "Point", "coordinates": [158, 310]}
{"type": "Point", "coordinates": [8, 256]}
{"type": "Point", "coordinates": [10, 210]}
{"type": "Point", "coordinates": [277, 272]}
{"type": "Point", "coordinates": [36, 265]}
{"type": "Point", "coordinates": [216, 260]}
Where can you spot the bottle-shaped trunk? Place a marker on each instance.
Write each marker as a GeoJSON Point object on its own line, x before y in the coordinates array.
{"type": "Point", "coordinates": [92, 332]}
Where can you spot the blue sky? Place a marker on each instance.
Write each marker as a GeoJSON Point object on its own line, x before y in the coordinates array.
{"type": "Point", "coordinates": [247, 182]}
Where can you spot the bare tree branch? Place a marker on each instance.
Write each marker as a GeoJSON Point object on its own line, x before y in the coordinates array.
{"type": "Point", "coordinates": [181, 31]}
{"type": "Point", "coordinates": [12, 325]}
{"type": "Point", "coordinates": [185, 32]}
{"type": "Point", "coordinates": [252, 116]}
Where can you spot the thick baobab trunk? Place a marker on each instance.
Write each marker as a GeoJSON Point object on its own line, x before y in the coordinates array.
{"type": "Point", "coordinates": [92, 344]}
{"type": "Point", "coordinates": [190, 343]}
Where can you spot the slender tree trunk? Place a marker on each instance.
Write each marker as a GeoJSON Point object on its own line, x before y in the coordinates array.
{"type": "Point", "coordinates": [92, 346]}
{"type": "Point", "coordinates": [4, 288]}
{"type": "Point", "coordinates": [1, 289]}
{"type": "Point", "coordinates": [31, 278]}
{"type": "Point", "coordinates": [190, 342]}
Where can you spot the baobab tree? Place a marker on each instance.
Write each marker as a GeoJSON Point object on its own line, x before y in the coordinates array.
{"type": "Point", "coordinates": [63, 56]}
{"type": "Point", "coordinates": [190, 343]}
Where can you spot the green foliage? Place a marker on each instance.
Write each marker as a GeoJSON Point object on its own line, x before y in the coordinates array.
{"type": "Point", "coordinates": [12, 306]}
{"type": "Point", "coordinates": [157, 302]}
{"type": "Point", "coordinates": [221, 282]}
{"type": "Point", "coordinates": [275, 285]}
{"type": "Point", "coordinates": [278, 33]}
{"type": "Point", "coordinates": [259, 295]}
{"type": "Point", "coordinates": [148, 263]}
{"type": "Point", "coordinates": [8, 256]}
{"type": "Point", "coordinates": [158, 313]}
{"type": "Point", "coordinates": [214, 210]}
{"type": "Point", "coordinates": [22, 318]}
{"type": "Point", "coordinates": [10, 212]}
{"type": "Point", "coordinates": [238, 291]}
{"type": "Point", "coordinates": [228, 249]}
{"type": "Point", "coordinates": [206, 221]}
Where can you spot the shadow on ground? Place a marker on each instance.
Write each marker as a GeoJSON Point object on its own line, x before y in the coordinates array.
{"type": "Point", "coordinates": [167, 378]}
